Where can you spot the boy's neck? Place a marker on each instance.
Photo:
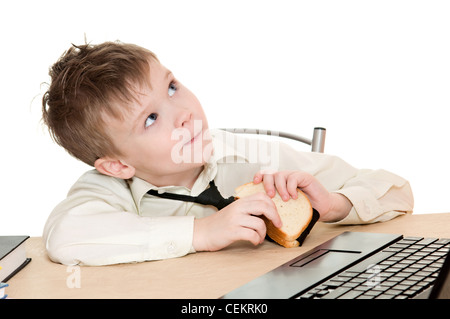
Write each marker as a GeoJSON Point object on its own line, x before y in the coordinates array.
{"type": "Point", "coordinates": [186, 179]}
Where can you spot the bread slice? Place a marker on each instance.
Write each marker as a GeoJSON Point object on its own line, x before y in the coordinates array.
{"type": "Point", "coordinates": [297, 216]}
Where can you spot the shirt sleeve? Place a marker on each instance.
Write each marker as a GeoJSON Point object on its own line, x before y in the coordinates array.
{"type": "Point", "coordinates": [98, 224]}
{"type": "Point", "coordinates": [376, 195]}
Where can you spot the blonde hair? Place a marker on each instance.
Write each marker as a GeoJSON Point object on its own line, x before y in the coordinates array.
{"type": "Point", "coordinates": [87, 82]}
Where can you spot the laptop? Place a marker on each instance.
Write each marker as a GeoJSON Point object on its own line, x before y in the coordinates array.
{"type": "Point", "coordinates": [357, 265]}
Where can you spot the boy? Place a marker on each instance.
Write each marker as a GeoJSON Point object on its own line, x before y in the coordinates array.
{"type": "Point", "coordinates": [117, 108]}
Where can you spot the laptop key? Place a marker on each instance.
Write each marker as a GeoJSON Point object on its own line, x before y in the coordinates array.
{"type": "Point", "coordinates": [351, 294]}
{"type": "Point", "coordinates": [385, 297]}
{"type": "Point", "coordinates": [336, 293]}
{"type": "Point", "coordinates": [372, 293]}
{"type": "Point", "coordinates": [412, 238]}
{"type": "Point", "coordinates": [443, 241]}
{"type": "Point", "coordinates": [426, 241]}
{"type": "Point", "coordinates": [410, 293]}
{"type": "Point", "coordinates": [331, 284]}
{"type": "Point", "coordinates": [401, 287]}
{"type": "Point", "coordinates": [392, 292]}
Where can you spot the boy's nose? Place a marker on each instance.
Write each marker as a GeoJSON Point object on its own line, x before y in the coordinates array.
{"type": "Point", "coordinates": [183, 118]}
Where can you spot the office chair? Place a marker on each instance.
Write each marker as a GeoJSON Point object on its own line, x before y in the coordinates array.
{"type": "Point", "coordinates": [317, 142]}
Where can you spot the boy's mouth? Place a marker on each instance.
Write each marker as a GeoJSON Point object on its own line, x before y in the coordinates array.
{"type": "Point", "coordinates": [195, 138]}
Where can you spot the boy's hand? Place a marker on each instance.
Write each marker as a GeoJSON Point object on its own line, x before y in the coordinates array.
{"type": "Point", "coordinates": [331, 206]}
{"type": "Point", "coordinates": [237, 221]}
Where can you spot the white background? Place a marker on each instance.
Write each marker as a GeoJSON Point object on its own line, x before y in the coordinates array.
{"type": "Point", "coordinates": [376, 74]}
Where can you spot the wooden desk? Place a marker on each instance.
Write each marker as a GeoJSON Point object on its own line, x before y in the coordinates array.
{"type": "Point", "coordinates": [200, 275]}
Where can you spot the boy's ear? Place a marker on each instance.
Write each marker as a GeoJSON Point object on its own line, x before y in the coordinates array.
{"type": "Point", "coordinates": [114, 167]}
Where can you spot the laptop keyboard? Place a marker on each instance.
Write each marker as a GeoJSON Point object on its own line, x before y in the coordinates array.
{"type": "Point", "coordinates": [400, 271]}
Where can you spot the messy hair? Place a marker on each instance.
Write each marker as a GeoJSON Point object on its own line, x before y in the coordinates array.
{"type": "Point", "coordinates": [87, 82]}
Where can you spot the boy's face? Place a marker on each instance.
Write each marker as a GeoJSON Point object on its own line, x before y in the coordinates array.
{"type": "Point", "coordinates": [164, 135]}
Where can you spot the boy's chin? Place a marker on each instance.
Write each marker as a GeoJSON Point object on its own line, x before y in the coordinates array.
{"type": "Point", "coordinates": [194, 158]}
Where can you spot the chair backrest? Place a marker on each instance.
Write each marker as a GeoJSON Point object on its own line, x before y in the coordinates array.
{"type": "Point", "coordinates": [317, 142]}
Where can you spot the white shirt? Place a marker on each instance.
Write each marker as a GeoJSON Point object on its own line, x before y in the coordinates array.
{"type": "Point", "coordinates": [106, 220]}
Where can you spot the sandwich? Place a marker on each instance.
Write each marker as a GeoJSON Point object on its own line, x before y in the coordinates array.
{"type": "Point", "coordinates": [297, 215]}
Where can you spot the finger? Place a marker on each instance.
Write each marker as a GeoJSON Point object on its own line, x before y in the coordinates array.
{"type": "Point", "coordinates": [256, 224]}
{"type": "Point", "coordinates": [261, 204]}
{"type": "Point", "coordinates": [291, 185]}
{"type": "Point", "coordinates": [269, 186]}
{"type": "Point", "coordinates": [249, 235]}
{"type": "Point", "coordinates": [258, 178]}
{"type": "Point", "coordinates": [303, 179]}
{"type": "Point", "coordinates": [280, 183]}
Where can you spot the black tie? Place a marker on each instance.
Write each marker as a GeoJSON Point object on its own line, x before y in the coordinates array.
{"type": "Point", "coordinates": [210, 196]}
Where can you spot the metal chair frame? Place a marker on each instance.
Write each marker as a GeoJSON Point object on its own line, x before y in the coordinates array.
{"type": "Point", "coordinates": [317, 142]}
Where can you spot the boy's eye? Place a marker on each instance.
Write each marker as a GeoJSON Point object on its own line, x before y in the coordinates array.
{"type": "Point", "coordinates": [172, 88]}
{"type": "Point", "coordinates": [150, 119]}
